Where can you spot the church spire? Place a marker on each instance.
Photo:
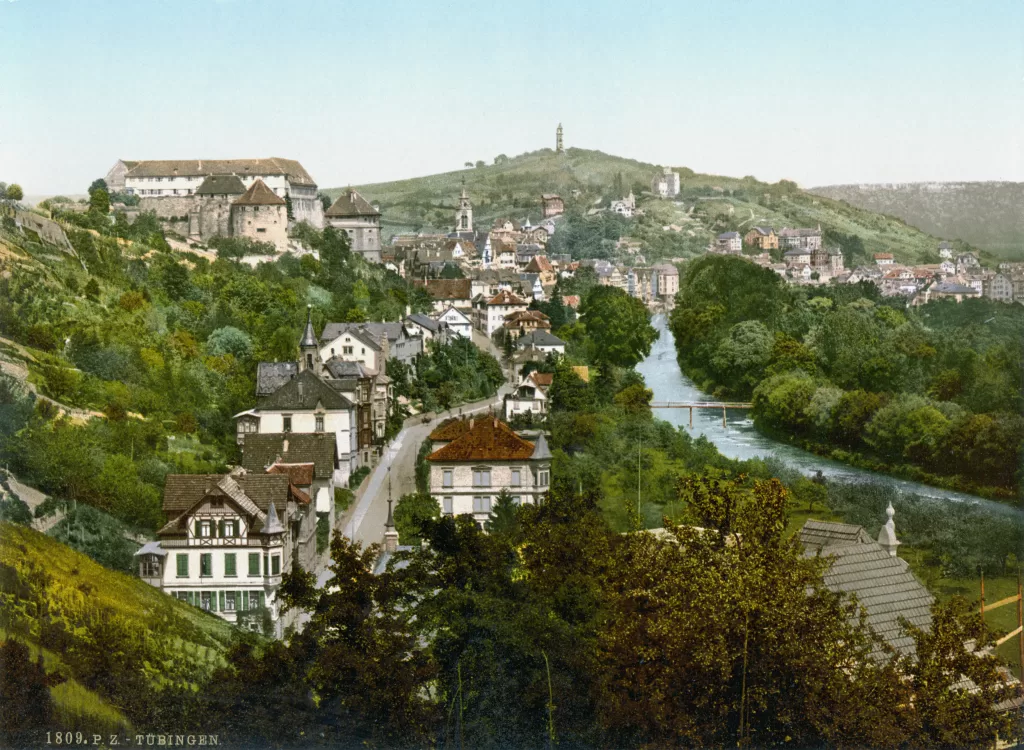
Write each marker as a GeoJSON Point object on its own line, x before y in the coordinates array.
{"type": "Point", "coordinates": [308, 345]}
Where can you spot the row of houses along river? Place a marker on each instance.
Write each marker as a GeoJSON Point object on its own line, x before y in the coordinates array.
{"type": "Point", "coordinates": [740, 440]}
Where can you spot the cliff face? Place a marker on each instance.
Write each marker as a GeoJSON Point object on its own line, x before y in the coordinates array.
{"type": "Point", "coordinates": [985, 214]}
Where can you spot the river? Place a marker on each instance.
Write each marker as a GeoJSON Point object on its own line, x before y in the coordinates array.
{"type": "Point", "coordinates": [740, 440]}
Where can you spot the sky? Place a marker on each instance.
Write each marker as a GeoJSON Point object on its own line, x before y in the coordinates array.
{"type": "Point", "coordinates": [820, 92]}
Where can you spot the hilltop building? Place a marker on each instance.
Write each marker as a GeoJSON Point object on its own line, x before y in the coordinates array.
{"type": "Point", "coordinates": [763, 238]}
{"type": "Point", "coordinates": [166, 186]}
{"type": "Point", "coordinates": [800, 239]}
{"type": "Point", "coordinates": [551, 205]}
{"type": "Point", "coordinates": [559, 147]}
{"type": "Point", "coordinates": [666, 184]}
{"type": "Point", "coordinates": [487, 457]}
{"type": "Point", "coordinates": [352, 213]}
{"type": "Point", "coordinates": [260, 215]}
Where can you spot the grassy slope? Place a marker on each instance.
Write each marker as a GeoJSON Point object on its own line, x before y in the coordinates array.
{"type": "Point", "coordinates": [513, 189]}
{"type": "Point", "coordinates": [986, 214]}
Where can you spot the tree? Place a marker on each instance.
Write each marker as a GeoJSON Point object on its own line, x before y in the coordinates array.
{"type": "Point", "coordinates": [500, 159]}
{"type": "Point", "coordinates": [25, 704]}
{"type": "Point", "coordinates": [468, 164]}
{"type": "Point", "coordinates": [618, 325]}
{"type": "Point", "coordinates": [99, 201]}
{"type": "Point", "coordinates": [288, 207]}
{"type": "Point", "coordinates": [229, 340]}
{"type": "Point", "coordinates": [568, 392]}
{"type": "Point", "coordinates": [325, 200]}
{"type": "Point", "coordinates": [98, 184]}
{"type": "Point", "coordinates": [14, 192]}
{"type": "Point", "coordinates": [480, 164]}
{"type": "Point", "coordinates": [504, 518]}
{"type": "Point", "coordinates": [411, 512]}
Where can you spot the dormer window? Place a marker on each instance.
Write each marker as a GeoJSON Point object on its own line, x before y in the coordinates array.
{"type": "Point", "coordinates": [286, 425]}
{"type": "Point", "coordinates": [319, 422]}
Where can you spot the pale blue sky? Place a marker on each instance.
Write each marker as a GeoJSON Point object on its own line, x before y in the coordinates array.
{"type": "Point", "coordinates": [819, 92]}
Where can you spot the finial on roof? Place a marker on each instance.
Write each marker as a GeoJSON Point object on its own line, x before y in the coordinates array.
{"type": "Point", "coordinates": [887, 534]}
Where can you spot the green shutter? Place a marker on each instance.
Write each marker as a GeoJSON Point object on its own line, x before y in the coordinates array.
{"type": "Point", "coordinates": [254, 563]}
{"type": "Point", "coordinates": [240, 601]}
{"type": "Point", "coordinates": [198, 527]}
{"type": "Point", "coordinates": [263, 600]}
{"type": "Point", "coordinates": [213, 601]}
{"type": "Point", "coordinates": [220, 529]}
{"type": "Point", "coordinates": [182, 565]}
{"type": "Point", "coordinates": [221, 601]}
{"type": "Point", "coordinates": [189, 598]}
{"type": "Point", "coordinates": [206, 564]}
{"type": "Point", "coordinates": [229, 564]}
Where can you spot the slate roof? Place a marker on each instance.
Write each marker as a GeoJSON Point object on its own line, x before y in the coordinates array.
{"type": "Point", "coordinates": [488, 439]}
{"type": "Point", "coordinates": [333, 330]}
{"type": "Point", "coordinates": [540, 337]}
{"type": "Point", "coordinates": [272, 375]}
{"type": "Point", "coordinates": [424, 321]}
{"type": "Point", "coordinates": [540, 448]}
{"type": "Point", "coordinates": [183, 491]}
{"type": "Point", "coordinates": [204, 167]}
{"type": "Point", "coordinates": [259, 194]}
{"type": "Point", "coordinates": [729, 236]}
{"type": "Point", "coordinates": [351, 203]}
{"type": "Point", "coordinates": [442, 289]}
{"type": "Point", "coordinates": [795, 253]}
{"type": "Point", "coordinates": [764, 231]}
{"type": "Point", "coordinates": [262, 450]}
{"type": "Point", "coordinates": [341, 369]}
{"type": "Point", "coordinates": [302, 393]}
{"type": "Point", "coordinates": [221, 185]}
{"type": "Point", "coordinates": [358, 330]}
{"type": "Point", "coordinates": [883, 584]}
{"type": "Point", "coordinates": [953, 288]}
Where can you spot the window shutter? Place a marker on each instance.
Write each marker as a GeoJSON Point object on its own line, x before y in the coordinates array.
{"type": "Point", "coordinates": [213, 601]}
{"type": "Point", "coordinates": [254, 563]}
{"type": "Point", "coordinates": [263, 600]}
{"type": "Point", "coordinates": [240, 602]}
{"type": "Point", "coordinates": [220, 529]}
{"type": "Point", "coordinates": [189, 598]}
{"type": "Point", "coordinates": [198, 528]}
{"type": "Point", "coordinates": [221, 601]}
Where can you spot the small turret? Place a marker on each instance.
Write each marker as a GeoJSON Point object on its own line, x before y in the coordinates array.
{"type": "Point", "coordinates": [273, 524]}
{"type": "Point", "coordinates": [887, 534]}
{"type": "Point", "coordinates": [541, 452]}
{"type": "Point", "coordinates": [308, 353]}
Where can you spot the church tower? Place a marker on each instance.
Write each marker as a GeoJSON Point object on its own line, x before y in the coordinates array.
{"type": "Point", "coordinates": [558, 140]}
{"type": "Point", "coordinates": [464, 214]}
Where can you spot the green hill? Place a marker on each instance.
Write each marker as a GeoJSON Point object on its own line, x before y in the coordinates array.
{"type": "Point", "coordinates": [707, 204]}
{"type": "Point", "coordinates": [117, 640]}
{"type": "Point", "coordinates": [986, 214]}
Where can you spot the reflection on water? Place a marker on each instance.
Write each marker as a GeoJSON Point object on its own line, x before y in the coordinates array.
{"type": "Point", "coordinates": [740, 440]}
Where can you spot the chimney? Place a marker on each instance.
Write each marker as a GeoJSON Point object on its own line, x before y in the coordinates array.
{"type": "Point", "coordinates": [284, 447]}
{"type": "Point", "coordinates": [300, 389]}
{"type": "Point", "coordinates": [887, 534]}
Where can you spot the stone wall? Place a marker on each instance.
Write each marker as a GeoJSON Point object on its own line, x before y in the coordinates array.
{"type": "Point", "coordinates": [214, 216]}
{"type": "Point", "coordinates": [47, 230]}
{"type": "Point", "coordinates": [262, 223]}
{"type": "Point", "coordinates": [171, 206]}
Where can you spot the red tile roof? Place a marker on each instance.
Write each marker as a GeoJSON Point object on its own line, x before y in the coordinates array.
{"type": "Point", "coordinates": [301, 475]}
{"type": "Point", "coordinates": [543, 379]}
{"type": "Point", "coordinates": [488, 439]}
{"type": "Point", "coordinates": [571, 300]}
{"type": "Point", "coordinates": [450, 429]}
{"type": "Point", "coordinates": [446, 288]}
{"type": "Point", "coordinates": [506, 298]}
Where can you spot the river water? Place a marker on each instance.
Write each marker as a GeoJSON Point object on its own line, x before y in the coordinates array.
{"type": "Point", "coordinates": [740, 440]}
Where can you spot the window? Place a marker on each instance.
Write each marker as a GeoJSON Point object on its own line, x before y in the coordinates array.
{"type": "Point", "coordinates": [182, 560]}
{"type": "Point", "coordinates": [205, 565]}
{"type": "Point", "coordinates": [481, 477]}
{"type": "Point", "coordinates": [205, 529]}
{"type": "Point", "coordinates": [346, 350]}
{"type": "Point", "coordinates": [231, 528]}
{"type": "Point", "coordinates": [516, 500]}
{"type": "Point", "coordinates": [517, 477]}
{"type": "Point", "coordinates": [150, 567]}
{"type": "Point", "coordinates": [266, 565]}
{"type": "Point", "coordinates": [446, 478]}
{"type": "Point", "coordinates": [229, 601]}
{"type": "Point", "coordinates": [481, 504]}
{"type": "Point", "coordinates": [542, 478]}
{"type": "Point", "coordinates": [254, 563]}
{"type": "Point", "coordinates": [275, 568]}
{"type": "Point", "coordinates": [446, 506]}
{"type": "Point", "coordinates": [319, 423]}
{"type": "Point", "coordinates": [205, 600]}
{"type": "Point", "coordinates": [254, 600]}
{"type": "Point", "coordinates": [229, 565]}
{"type": "Point", "coordinates": [287, 419]}
{"type": "Point", "coordinates": [260, 230]}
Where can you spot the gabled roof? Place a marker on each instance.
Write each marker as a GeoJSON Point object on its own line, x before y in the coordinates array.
{"type": "Point", "coordinates": [204, 167]}
{"type": "Point", "coordinates": [539, 264]}
{"type": "Point", "coordinates": [818, 534]}
{"type": "Point", "coordinates": [506, 298]}
{"type": "Point", "coordinates": [259, 194]}
{"type": "Point", "coordinates": [300, 474]}
{"type": "Point", "coordinates": [540, 337]}
{"type": "Point", "coordinates": [351, 203]}
{"type": "Point", "coordinates": [729, 236]}
{"type": "Point", "coordinates": [487, 439]}
{"type": "Point", "coordinates": [883, 256]}
{"type": "Point", "coordinates": [221, 185]}
{"type": "Point", "coordinates": [542, 379]}
{"type": "Point", "coordinates": [442, 289]}
{"type": "Point", "coordinates": [764, 231]}
{"type": "Point", "coordinates": [341, 369]}
{"type": "Point", "coordinates": [374, 330]}
{"type": "Point", "coordinates": [304, 392]}
{"type": "Point", "coordinates": [424, 321]}
{"type": "Point", "coordinates": [260, 451]}
{"type": "Point", "coordinates": [272, 375]}
{"type": "Point", "coordinates": [457, 311]}
{"type": "Point", "coordinates": [953, 288]}
{"type": "Point", "coordinates": [183, 491]}
{"type": "Point", "coordinates": [517, 317]}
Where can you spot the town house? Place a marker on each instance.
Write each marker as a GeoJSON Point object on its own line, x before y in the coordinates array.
{"type": "Point", "coordinates": [530, 396]}
{"type": "Point", "coordinates": [354, 215]}
{"type": "Point", "coordinates": [763, 238]}
{"type": "Point", "coordinates": [227, 541]}
{"type": "Point", "coordinates": [801, 238]}
{"type": "Point", "coordinates": [729, 243]}
{"type": "Point", "coordinates": [468, 473]}
{"type": "Point", "coordinates": [447, 293]}
{"type": "Point", "coordinates": [490, 313]}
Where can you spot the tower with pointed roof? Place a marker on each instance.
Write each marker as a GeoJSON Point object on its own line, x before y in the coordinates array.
{"type": "Point", "coordinates": [261, 215]}
{"type": "Point", "coordinates": [309, 351]}
{"type": "Point", "coordinates": [464, 213]}
{"type": "Point", "coordinates": [559, 148]}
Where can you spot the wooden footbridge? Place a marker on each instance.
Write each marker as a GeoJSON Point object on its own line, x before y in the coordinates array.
{"type": "Point", "coordinates": [691, 405]}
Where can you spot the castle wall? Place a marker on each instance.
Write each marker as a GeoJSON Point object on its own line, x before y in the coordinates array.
{"type": "Point", "coordinates": [261, 223]}
{"type": "Point", "coordinates": [167, 207]}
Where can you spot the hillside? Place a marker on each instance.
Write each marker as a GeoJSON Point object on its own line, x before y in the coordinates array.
{"type": "Point", "coordinates": [989, 215]}
{"type": "Point", "coordinates": [113, 636]}
{"type": "Point", "coordinates": [707, 204]}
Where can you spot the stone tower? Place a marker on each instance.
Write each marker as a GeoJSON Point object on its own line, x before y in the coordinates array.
{"type": "Point", "coordinates": [464, 214]}
{"type": "Point", "coordinates": [559, 148]}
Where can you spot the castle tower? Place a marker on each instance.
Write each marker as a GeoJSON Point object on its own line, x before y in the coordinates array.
{"type": "Point", "coordinates": [464, 214]}
{"type": "Point", "coordinates": [308, 349]}
{"type": "Point", "coordinates": [558, 140]}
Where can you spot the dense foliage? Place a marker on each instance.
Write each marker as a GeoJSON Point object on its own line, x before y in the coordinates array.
{"type": "Point", "coordinates": [931, 391]}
